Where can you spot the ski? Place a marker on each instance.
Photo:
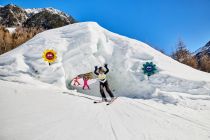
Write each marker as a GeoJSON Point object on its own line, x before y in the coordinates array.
{"type": "Point", "coordinates": [98, 101]}
{"type": "Point", "coordinates": [111, 101]}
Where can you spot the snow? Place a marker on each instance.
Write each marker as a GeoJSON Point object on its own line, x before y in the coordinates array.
{"type": "Point", "coordinates": [33, 11]}
{"type": "Point", "coordinates": [82, 46]}
{"type": "Point", "coordinates": [45, 113]}
{"type": "Point", "coordinates": [36, 103]}
{"type": "Point", "coordinates": [11, 29]}
{"type": "Point", "coordinates": [37, 10]}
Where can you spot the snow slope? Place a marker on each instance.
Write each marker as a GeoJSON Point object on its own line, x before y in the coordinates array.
{"type": "Point", "coordinates": [35, 104]}
{"type": "Point", "coordinates": [45, 113]}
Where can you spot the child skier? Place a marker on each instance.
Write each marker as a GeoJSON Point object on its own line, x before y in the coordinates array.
{"type": "Point", "coordinates": [85, 79]}
{"type": "Point", "coordinates": [103, 82]}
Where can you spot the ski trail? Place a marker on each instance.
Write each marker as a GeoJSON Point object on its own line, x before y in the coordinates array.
{"type": "Point", "coordinates": [174, 115]}
{"type": "Point", "coordinates": [114, 115]}
{"type": "Point", "coordinates": [147, 110]}
{"type": "Point", "coordinates": [47, 115]}
{"type": "Point", "coordinates": [113, 131]}
{"type": "Point", "coordinates": [83, 96]}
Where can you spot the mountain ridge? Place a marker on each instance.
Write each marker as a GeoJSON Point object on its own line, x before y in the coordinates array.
{"type": "Point", "coordinates": [205, 50]}
{"type": "Point", "coordinates": [13, 15]}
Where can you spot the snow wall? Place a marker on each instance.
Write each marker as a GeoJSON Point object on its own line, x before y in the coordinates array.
{"type": "Point", "coordinates": [82, 46]}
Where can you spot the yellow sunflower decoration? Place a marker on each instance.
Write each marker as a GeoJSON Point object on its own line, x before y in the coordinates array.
{"type": "Point", "coordinates": [49, 55]}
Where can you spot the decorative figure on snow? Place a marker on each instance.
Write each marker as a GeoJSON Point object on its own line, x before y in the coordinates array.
{"type": "Point", "coordinates": [149, 68]}
{"type": "Point", "coordinates": [76, 81]}
{"type": "Point", "coordinates": [85, 79]}
{"type": "Point", "coordinates": [49, 56]}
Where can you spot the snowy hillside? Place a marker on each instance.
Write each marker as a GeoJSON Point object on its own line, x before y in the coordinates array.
{"type": "Point", "coordinates": [35, 103]}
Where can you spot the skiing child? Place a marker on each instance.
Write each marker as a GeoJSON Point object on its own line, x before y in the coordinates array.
{"type": "Point", "coordinates": [101, 73]}
{"type": "Point", "coordinates": [85, 79]}
{"type": "Point", "coordinates": [76, 81]}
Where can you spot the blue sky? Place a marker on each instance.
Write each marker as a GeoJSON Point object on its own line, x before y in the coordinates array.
{"type": "Point", "coordinates": [160, 23]}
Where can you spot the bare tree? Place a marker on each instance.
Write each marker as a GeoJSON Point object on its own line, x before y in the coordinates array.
{"type": "Point", "coordinates": [205, 63]}
{"type": "Point", "coordinates": [9, 41]}
{"type": "Point", "coordinates": [183, 55]}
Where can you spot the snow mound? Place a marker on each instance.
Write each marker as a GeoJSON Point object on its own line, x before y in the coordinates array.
{"type": "Point", "coordinates": [82, 46]}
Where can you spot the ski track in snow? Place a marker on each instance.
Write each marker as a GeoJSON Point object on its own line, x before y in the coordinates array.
{"type": "Point", "coordinates": [176, 116]}
{"type": "Point", "coordinates": [49, 114]}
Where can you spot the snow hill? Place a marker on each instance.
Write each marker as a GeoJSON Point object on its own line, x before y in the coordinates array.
{"type": "Point", "coordinates": [82, 46]}
{"type": "Point", "coordinates": [35, 101]}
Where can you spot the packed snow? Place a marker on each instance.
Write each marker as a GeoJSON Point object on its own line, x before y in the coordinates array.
{"type": "Point", "coordinates": [82, 46]}
{"type": "Point", "coordinates": [38, 100]}
{"type": "Point", "coordinates": [31, 112]}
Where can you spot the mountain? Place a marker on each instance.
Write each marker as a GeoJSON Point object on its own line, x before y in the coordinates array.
{"type": "Point", "coordinates": [37, 100]}
{"type": "Point", "coordinates": [205, 50]}
{"type": "Point", "coordinates": [47, 18]}
{"type": "Point", "coordinates": [12, 15]}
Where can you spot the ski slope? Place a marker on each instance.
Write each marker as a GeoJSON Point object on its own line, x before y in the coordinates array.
{"type": "Point", "coordinates": [29, 113]}
{"type": "Point", "coordinates": [38, 102]}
